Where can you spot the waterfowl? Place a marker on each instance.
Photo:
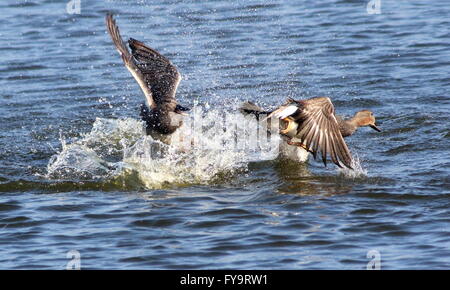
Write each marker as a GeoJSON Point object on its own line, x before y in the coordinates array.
{"type": "Point", "coordinates": [311, 124]}
{"type": "Point", "coordinates": [158, 79]}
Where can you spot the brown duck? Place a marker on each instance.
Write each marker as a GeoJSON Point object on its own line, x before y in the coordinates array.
{"type": "Point", "coordinates": [313, 125]}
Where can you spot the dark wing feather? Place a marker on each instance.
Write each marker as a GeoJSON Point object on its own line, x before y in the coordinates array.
{"type": "Point", "coordinates": [159, 73]}
{"type": "Point", "coordinates": [319, 130]}
{"type": "Point", "coordinates": [128, 59]}
{"type": "Point", "coordinates": [155, 74]}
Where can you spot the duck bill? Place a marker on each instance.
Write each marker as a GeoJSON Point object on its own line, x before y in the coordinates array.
{"type": "Point", "coordinates": [375, 127]}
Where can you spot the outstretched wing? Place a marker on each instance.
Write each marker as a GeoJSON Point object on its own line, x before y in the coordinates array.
{"type": "Point", "coordinates": [318, 128]}
{"type": "Point", "coordinates": [155, 74]}
{"type": "Point", "coordinates": [159, 73]}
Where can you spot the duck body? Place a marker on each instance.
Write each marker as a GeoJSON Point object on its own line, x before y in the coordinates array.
{"type": "Point", "coordinates": [346, 126]}
{"type": "Point", "coordinates": [312, 126]}
{"type": "Point", "coordinates": [160, 121]}
{"type": "Point", "coordinates": [158, 79]}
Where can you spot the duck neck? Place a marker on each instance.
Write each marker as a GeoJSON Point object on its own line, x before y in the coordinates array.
{"type": "Point", "coordinates": [348, 126]}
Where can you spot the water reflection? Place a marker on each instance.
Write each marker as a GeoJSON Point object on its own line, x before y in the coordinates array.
{"type": "Point", "coordinates": [297, 178]}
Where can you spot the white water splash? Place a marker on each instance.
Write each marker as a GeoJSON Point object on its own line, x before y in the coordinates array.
{"type": "Point", "coordinates": [357, 172]}
{"type": "Point", "coordinates": [118, 149]}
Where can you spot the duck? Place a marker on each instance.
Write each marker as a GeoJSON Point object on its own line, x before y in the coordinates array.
{"type": "Point", "coordinates": [158, 79]}
{"type": "Point", "coordinates": [313, 126]}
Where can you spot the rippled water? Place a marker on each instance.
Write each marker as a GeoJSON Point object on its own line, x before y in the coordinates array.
{"type": "Point", "coordinates": [74, 174]}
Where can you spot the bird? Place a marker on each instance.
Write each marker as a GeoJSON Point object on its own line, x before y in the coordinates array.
{"type": "Point", "coordinates": [158, 79]}
{"type": "Point", "coordinates": [312, 125]}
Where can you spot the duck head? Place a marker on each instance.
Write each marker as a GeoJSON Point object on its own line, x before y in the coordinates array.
{"type": "Point", "coordinates": [366, 118]}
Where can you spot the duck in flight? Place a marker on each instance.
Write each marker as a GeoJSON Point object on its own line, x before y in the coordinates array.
{"type": "Point", "coordinates": [312, 125]}
{"type": "Point", "coordinates": [158, 79]}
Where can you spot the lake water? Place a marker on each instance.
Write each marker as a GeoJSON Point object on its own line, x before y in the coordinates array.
{"type": "Point", "coordinates": [73, 175]}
